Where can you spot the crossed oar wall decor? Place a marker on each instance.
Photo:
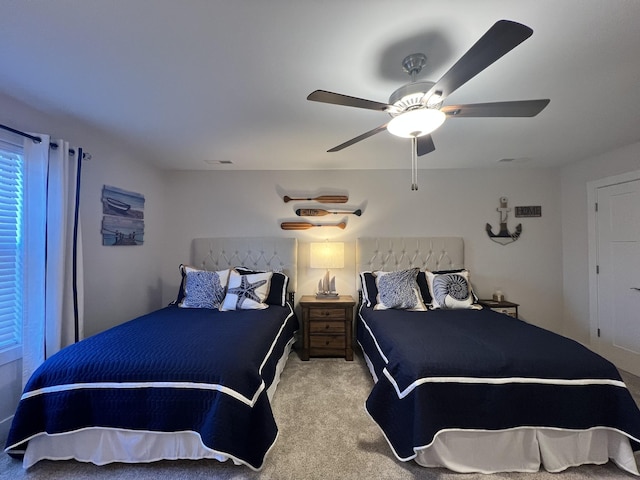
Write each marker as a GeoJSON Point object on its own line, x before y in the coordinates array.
{"type": "Point", "coordinates": [318, 212]}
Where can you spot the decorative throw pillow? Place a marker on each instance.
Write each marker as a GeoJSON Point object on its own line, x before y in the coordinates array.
{"type": "Point", "coordinates": [277, 288]}
{"type": "Point", "coordinates": [202, 288]}
{"type": "Point", "coordinates": [246, 292]}
{"type": "Point", "coordinates": [451, 290]}
{"type": "Point", "coordinates": [183, 279]}
{"type": "Point", "coordinates": [369, 289]}
{"type": "Point", "coordinates": [423, 286]}
{"type": "Point", "coordinates": [399, 290]}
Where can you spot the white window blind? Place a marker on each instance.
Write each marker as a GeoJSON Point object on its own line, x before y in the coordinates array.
{"type": "Point", "coordinates": [11, 251]}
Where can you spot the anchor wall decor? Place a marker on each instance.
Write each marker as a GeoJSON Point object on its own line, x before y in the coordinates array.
{"type": "Point", "coordinates": [504, 237]}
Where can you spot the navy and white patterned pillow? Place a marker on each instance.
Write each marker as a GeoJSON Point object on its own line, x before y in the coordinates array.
{"type": "Point", "coordinates": [451, 290]}
{"type": "Point", "coordinates": [246, 292]}
{"type": "Point", "coordinates": [203, 288]}
{"type": "Point", "coordinates": [399, 290]}
{"type": "Point", "coordinates": [277, 288]}
{"type": "Point", "coordinates": [369, 289]}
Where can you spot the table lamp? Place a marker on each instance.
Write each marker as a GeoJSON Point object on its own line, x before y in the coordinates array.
{"type": "Point", "coordinates": [327, 255]}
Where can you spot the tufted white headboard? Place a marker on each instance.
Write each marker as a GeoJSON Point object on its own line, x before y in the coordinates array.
{"type": "Point", "coordinates": [400, 253]}
{"type": "Point", "coordinates": [260, 253]}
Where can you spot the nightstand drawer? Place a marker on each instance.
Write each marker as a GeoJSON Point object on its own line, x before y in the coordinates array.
{"type": "Point", "coordinates": [327, 341]}
{"type": "Point", "coordinates": [511, 311]}
{"type": "Point", "coordinates": [326, 314]}
{"type": "Point", "coordinates": [318, 326]}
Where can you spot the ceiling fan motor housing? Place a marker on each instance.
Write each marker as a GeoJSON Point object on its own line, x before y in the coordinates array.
{"type": "Point", "coordinates": [411, 96]}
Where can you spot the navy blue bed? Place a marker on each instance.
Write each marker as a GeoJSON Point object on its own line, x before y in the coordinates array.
{"type": "Point", "coordinates": [173, 370]}
{"type": "Point", "coordinates": [482, 371]}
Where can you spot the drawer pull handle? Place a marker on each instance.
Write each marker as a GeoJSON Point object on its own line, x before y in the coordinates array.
{"type": "Point", "coordinates": [327, 342]}
{"type": "Point", "coordinates": [326, 327]}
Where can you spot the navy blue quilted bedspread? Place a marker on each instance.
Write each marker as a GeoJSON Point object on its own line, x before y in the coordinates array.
{"type": "Point", "coordinates": [175, 369]}
{"type": "Point", "coordinates": [479, 369]}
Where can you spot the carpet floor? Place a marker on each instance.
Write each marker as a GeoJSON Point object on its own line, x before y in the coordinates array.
{"type": "Point", "coordinates": [325, 434]}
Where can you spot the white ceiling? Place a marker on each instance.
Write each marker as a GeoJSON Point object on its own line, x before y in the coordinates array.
{"type": "Point", "coordinates": [196, 81]}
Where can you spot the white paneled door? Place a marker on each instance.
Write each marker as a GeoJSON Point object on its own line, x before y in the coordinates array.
{"type": "Point", "coordinates": [618, 277]}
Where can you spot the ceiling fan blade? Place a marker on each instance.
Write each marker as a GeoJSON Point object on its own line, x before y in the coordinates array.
{"type": "Point", "coordinates": [521, 108]}
{"type": "Point", "coordinates": [368, 134]}
{"type": "Point", "coordinates": [425, 145]}
{"type": "Point", "coordinates": [500, 39]}
{"type": "Point", "coordinates": [340, 99]}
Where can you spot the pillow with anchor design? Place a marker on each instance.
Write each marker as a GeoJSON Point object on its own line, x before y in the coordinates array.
{"type": "Point", "coordinates": [246, 292]}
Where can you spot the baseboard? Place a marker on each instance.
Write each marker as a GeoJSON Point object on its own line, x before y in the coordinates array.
{"type": "Point", "coordinates": [5, 425]}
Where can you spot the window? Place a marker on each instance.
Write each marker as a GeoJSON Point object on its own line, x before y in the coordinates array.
{"type": "Point", "coordinates": [11, 250]}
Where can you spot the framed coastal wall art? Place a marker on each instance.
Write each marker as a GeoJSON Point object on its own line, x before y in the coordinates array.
{"type": "Point", "coordinates": [123, 217]}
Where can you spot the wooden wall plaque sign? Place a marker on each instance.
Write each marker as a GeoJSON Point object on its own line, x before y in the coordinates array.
{"type": "Point", "coordinates": [529, 211]}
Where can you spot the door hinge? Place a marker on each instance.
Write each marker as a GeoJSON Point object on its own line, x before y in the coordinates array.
{"type": "Point", "coordinates": [596, 206]}
{"type": "Point", "coordinates": [597, 269]}
{"type": "Point", "coordinates": [598, 333]}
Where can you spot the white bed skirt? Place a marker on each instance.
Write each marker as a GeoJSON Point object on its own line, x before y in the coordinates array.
{"type": "Point", "coordinates": [526, 449]}
{"type": "Point", "coordinates": [107, 445]}
{"type": "Point", "coordinates": [523, 449]}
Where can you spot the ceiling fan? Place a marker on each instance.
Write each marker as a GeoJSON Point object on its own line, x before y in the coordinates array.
{"type": "Point", "coordinates": [417, 107]}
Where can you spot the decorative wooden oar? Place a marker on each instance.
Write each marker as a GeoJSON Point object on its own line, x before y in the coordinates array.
{"type": "Point", "coordinates": [320, 212]}
{"type": "Point", "coordinates": [306, 226]}
{"type": "Point", "coordinates": [321, 199]}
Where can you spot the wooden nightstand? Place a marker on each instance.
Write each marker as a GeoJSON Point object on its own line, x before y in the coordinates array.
{"type": "Point", "coordinates": [327, 327]}
{"type": "Point", "coordinates": [503, 306]}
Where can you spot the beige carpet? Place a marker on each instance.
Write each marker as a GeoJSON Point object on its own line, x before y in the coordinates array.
{"type": "Point", "coordinates": [325, 434]}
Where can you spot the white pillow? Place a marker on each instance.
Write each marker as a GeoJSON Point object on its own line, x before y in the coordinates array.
{"type": "Point", "coordinates": [398, 290]}
{"type": "Point", "coordinates": [451, 290]}
{"type": "Point", "coordinates": [246, 292]}
{"type": "Point", "coordinates": [203, 288]}
{"type": "Point", "coordinates": [277, 287]}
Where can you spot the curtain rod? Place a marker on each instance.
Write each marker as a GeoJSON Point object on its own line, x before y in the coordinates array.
{"type": "Point", "coordinates": [85, 156]}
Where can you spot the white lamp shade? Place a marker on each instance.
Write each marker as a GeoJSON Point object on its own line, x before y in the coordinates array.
{"type": "Point", "coordinates": [416, 123]}
{"type": "Point", "coordinates": [327, 255]}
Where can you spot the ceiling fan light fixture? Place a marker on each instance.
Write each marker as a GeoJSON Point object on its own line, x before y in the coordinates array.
{"type": "Point", "coordinates": [416, 123]}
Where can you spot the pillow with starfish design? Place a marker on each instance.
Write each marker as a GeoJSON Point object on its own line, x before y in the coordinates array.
{"type": "Point", "coordinates": [246, 292]}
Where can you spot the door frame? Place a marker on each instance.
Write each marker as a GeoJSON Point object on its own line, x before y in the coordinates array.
{"type": "Point", "coordinates": [592, 196]}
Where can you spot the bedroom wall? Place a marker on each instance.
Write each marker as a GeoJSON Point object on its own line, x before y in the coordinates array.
{"type": "Point", "coordinates": [574, 179]}
{"type": "Point", "coordinates": [120, 282]}
{"type": "Point", "coordinates": [448, 202]}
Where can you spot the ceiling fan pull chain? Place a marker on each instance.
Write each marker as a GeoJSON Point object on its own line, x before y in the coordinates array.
{"type": "Point", "coordinates": [414, 163]}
